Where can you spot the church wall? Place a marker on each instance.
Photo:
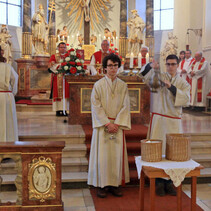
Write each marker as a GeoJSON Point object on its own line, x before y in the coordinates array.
{"type": "Point", "coordinates": [206, 30]}
{"type": "Point", "coordinates": [112, 22]}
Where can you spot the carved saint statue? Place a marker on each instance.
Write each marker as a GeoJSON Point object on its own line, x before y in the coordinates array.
{"type": "Point", "coordinates": [80, 40]}
{"type": "Point", "coordinates": [135, 38]}
{"type": "Point", "coordinates": [170, 46]}
{"type": "Point", "coordinates": [5, 43]}
{"type": "Point", "coordinates": [40, 32]}
{"type": "Point", "coordinates": [93, 39]}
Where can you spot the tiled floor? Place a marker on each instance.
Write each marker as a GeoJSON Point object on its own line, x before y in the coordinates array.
{"type": "Point", "coordinates": [74, 199]}
{"type": "Point", "coordinates": [203, 195]}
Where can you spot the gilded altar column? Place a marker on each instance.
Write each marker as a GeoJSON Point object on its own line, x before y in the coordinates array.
{"type": "Point", "coordinates": [26, 30]}
{"type": "Point", "coordinates": [52, 27]}
{"type": "Point", "coordinates": [123, 28]}
{"type": "Point", "coordinates": [149, 40]}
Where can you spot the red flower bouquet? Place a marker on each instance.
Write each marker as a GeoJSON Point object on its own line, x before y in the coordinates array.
{"type": "Point", "coordinates": [72, 63]}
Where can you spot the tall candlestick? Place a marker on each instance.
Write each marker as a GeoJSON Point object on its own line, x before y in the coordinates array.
{"type": "Point", "coordinates": [139, 60]}
{"type": "Point", "coordinates": [131, 60]}
{"type": "Point", "coordinates": [147, 58]}
{"type": "Point", "coordinates": [67, 39]}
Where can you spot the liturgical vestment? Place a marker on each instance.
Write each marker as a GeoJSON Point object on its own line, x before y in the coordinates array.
{"type": "Point", "coordinates": [8, 88]}
{"type": "Point", "coordinates": [200, 83]}
{"type": "Point", "coordinates": [166, 109]}
{"type": "Point", "coordinates": [108, 164]}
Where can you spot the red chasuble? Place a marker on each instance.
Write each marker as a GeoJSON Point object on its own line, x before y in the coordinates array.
{"type": "Point", "coordinates": [199, 81]}
{"type": "Point", "coordinates": [57, 80]}
{"type": "Point", "coordinates": [99, 56]}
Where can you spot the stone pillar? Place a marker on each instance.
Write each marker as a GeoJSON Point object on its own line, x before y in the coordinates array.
{"type": "Point", "coordinates": [52, 28]}
{"type": "Point", "coordinates": [123, 28]}
{"type": "Point", "coordinates": [149, 40]}
{"type": "Point", "coordinates": [26, 34]}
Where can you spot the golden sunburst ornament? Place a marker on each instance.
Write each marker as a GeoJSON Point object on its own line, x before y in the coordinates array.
{"type": "Point", "coordinates": [87, 10]}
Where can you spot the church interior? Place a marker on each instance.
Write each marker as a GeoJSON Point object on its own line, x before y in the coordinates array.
{"type": "Point", "coordinates": [54, 136]}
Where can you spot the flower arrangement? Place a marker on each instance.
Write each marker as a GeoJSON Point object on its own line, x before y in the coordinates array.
{"type": "Point", "coordinates": [114, 50]}
{"type": "Point", "coordinates": [72, 63]}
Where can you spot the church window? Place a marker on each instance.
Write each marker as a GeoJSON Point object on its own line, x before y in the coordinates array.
{"type": "Point", "coordinates": [11, 12]}
{"type": "Point", "coordinates": [163, 14]}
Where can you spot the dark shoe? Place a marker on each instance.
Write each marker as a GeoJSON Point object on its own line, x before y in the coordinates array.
{"type": "Point", "coordinates": [160, 189]}
{"type": "Point", "coordinates": [101, 193]}
{"type": "Point", "coordinates": [58, 113]}
{"type": "Point", "coordinates": [116, 191]}
{"type": "Point", "coordinates": [169, 188]}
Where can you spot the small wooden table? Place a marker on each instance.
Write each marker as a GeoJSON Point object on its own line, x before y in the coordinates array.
{"type": "Point", "coordinates": [153, 173]}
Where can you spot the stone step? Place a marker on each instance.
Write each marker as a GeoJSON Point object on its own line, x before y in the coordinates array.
{"type": "Point", "coordinates": [201, 147]}
{"type": "Point", "coordinates": [69, 139]}
{"type": "Point", "coordinates": [74, 151]}
{"type": "Point", "coordinates": [33, 108]}
{"type": "Point", "coordinates": [199, 136]}
{"type": "Point", "coordinates": [203, 159]}
{"type": "Point", "coordinates": [74, 164]}
{"type": "Point", "coordinates": [66, 177]}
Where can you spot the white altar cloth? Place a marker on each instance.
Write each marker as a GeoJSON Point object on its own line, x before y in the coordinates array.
{"type": "Point", "coordinates": [175, 170]}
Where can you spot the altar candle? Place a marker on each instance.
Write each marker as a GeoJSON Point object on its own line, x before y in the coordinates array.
{"type": "Point", "coordinates": [147, 58]}
{"type": "Point", "coordinates": [104, 37]}
{"type": "Point", "coordinates": [139, 60]}
{"type": "Point", "coordinates": [117, 43]}
{"type": "Point", "coordinates": [67, 39]}
{"type": "Point", "coordinates": [131, 60]}
{"type": "Point", "coordinates": [63, 38]}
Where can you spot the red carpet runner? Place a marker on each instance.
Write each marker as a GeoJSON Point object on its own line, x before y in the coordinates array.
{"type": "Point", "coordinates": [133, 137]}
{"type": "Point", "coordinates": [130, 201]}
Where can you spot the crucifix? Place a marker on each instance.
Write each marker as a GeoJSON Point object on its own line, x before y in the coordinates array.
{"type": "Point", "coordinates": [87, 12]}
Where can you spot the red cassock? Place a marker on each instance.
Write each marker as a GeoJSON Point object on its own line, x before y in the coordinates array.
{"type": "Point", "coordinates": [57, 80]}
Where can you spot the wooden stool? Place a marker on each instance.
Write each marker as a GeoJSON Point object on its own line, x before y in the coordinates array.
{"type": "Point", "coordinates": [153, 173]}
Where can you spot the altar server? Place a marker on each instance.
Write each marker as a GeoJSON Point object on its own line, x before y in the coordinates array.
{"type": "Point", "coordinates": [108, 164]}
{"type": "Point", "coordinates": [8, 88]}
{"type": "Point", "coordinates": [166, 108]}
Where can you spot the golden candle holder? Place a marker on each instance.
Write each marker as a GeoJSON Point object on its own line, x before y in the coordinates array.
{"type": "Point", "coordinates": [131, 73]}
{"type": "Point", "coordinates": [98, 67]}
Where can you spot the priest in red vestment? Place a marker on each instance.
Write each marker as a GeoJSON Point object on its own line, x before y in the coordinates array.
{"type": "Point", "coordinates": [59, 86]}
{"type": "Point", "coordinates": [144, 51]}
{"type": "Point", "coordinates": [98, 57]}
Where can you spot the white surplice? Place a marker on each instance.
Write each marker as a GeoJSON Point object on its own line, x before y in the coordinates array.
{"type": "Point", "coordinates": [106, 155]}
{"type": "Point", "coordinates": [167, 109]}
{"type": "Point", "coordinates": [8, 123]}
{"type": "Point", "coordinates": [185, 67]}
{"type": "Point", "coordinates": [206, 83]}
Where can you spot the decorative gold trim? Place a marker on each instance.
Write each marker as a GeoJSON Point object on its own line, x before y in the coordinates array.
{"type": "Point", "coordinates": [89, 112]}
{"type": "Point", "coordinates": [59, 205]}
{"type": "Point", "coordinates": [84, 112]}
{"type": "Point", "coordinates": [10, 153]}
{"type": "Point", "coordinates": [42, 182]}
{"type": "Point", "coordinates": [40, 153]}
{"type": "Point", "coordinates": [139, 103]}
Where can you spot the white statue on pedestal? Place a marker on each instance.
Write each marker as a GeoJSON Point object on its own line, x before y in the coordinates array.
{"type": "Point", "coordinates": [170, 46]}
{"type": "Point", "coordinates": [40, 32]}
{"type": "Point", "coordinates": [135, 37]}
{"type": "Point", "coordinates": [5, 43]}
